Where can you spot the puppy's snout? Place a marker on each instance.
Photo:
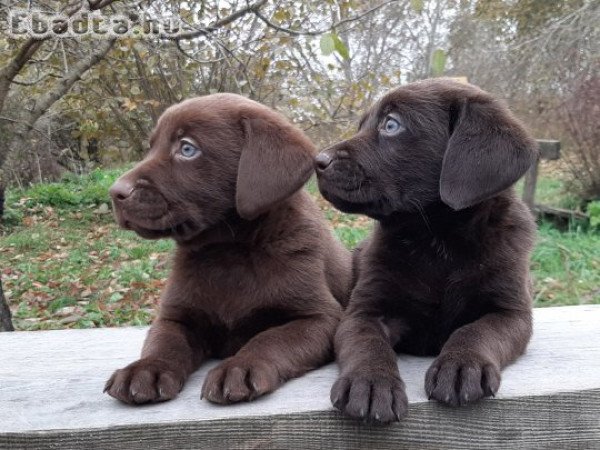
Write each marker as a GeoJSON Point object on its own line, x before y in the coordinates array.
{"type": "Point", "coordinates": [326, 157]}
{"type": "Point", "coordinates": [121, 190]}
{"type": "Point", "coordinates": [323, 160]}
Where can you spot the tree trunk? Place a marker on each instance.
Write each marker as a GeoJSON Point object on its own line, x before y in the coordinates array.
{"type": "Point", "coordinates": [5, 316]}
{"type": "Point", "coordinates": [2, 191]}
{"type": "Point", "coordinates": [29, 118]}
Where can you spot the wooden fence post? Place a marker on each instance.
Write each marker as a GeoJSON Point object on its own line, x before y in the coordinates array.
{"type": "Point", "coordinates": [549, 150]}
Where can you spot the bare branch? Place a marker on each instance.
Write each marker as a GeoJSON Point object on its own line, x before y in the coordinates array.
{"type": "Point", "coordinates": [11, 70]}
{"type": "Point", "coordinates": [69, 80]}
{"type": "Point", "coordinates": [99, 4]}
{"type": "Point", "coordinates": [37, 80]}
{"type": "Point", "coordinates": [253, 8]}
{"type": "Point", "coordinates": [25, 125]}
{"type": "Point", "coordinates": [31, 46]}
{"type": "Point", "coordinates": [325, 30]}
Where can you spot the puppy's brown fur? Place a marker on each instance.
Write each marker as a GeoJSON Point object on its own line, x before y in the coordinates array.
{"type": "Point", "coordinates": [446, 269]}
{"type": "Point", "coordinates": [258, 277]}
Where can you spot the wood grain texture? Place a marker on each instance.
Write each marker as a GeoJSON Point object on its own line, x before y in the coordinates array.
{"type": "Point", "coordinates": [51, 397]}
{"type": "Point", "coordinates": [529, 184]}
{"type": "Point", "coordinates": [549, 149]}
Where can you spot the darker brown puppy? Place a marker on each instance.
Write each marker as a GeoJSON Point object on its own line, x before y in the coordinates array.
{"type": "Point", "coordinates": [258, 277]}
{"type": "Point", "coordinates": [446, 269]}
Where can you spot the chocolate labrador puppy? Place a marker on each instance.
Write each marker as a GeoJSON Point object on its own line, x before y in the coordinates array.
{"type": "Point", "coordinates": [257, 279]}
{"type": "Point", "coordinates": [446, 270]}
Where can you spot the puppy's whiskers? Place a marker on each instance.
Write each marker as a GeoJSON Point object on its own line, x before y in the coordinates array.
{"type": "Point", "coordinates": [421, 210]}
{"type": "Point", "coordinates": [230, 228]}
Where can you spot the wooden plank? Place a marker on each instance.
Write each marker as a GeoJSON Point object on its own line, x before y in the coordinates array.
{"type": "Point", "coordinates": [51, 397]}
{"type": "Point", "coordinates": [549, 149]}
{"type": "Point", "coordinates": [529, 185]}
{"type": "Point", "coordinates": [567, 214]}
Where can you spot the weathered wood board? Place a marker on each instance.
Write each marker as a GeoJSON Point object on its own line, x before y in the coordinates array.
{"type": "Point", "coordinates": [51, 397]}
{"type": "Point", "coordinates": [550, 150]}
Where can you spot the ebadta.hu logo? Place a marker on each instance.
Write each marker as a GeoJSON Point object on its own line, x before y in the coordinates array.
{"type": "Point", "coordinates": [40, 23]}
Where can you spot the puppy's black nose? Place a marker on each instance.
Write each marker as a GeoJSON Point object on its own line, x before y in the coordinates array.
{"type": "Point", "coordinates": [323, 160]}
{"type": "Point", "coordinates": [121, 189]}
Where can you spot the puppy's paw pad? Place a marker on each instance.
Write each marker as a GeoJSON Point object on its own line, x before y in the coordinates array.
{"type": "Point", "coordinates": [236, 380]}
{"type": "Point", "coordinates": [374, 398]}
{"type": "Point", "coordinates": [458, 379]}
{"type": "Point", "coordinates": [144, 381]}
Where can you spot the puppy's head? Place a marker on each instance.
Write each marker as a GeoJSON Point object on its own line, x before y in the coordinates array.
{"type": "Point", "coordinates": [211, 157]}
{"type": "Point", "coordinates": [426, 142]}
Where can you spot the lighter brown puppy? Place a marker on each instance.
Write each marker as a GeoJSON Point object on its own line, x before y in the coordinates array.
{"type": "Point", "coordinates": [257, 279]}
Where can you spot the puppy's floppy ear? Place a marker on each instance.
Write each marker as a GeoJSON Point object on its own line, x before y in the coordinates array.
{"type": "Point", "coordinates": [276, 160]}
{"type": "Point", "coordinates": [487, 152]}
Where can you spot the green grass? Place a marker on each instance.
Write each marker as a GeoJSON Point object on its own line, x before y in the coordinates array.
{"type": "Point", "coordinates": [66, 264]}
{"type": "Point", "coordinates": [552, 191]}
{"type": "Point", "coordinates": [566, 266]}
{"type": "Point", "coordinates": [72, 191]}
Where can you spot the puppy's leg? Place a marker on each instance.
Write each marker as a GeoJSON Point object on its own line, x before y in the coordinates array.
{"type": "Point", "coordinates": [369, 386]}
{"type": "Point", "coordinates": [468, 367]}
{"type": "Point", "coordinates": [169, 356]}
{"type": "Point", "coordinates": [272, 357]}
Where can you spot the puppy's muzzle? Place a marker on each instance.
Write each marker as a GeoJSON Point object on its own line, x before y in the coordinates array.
{"type": "Point", "coordinates": [121, 190]}
{"type": "Point", "coordinates": [326, 157]}
{"type": "Point", "coordinates": [136, 202]}
{"type": "Point", "coordinates": [323, 161]}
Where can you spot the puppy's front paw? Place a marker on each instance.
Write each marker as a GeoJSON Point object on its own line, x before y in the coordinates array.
{"type": "Point", "coordinates": [144, 381]}
{"type": "Point", "coordinates": [237, 380]}
{"type": "Point", "coordinates": [461, 378]}
{"type": "Point", "coordinates": [372, 397]}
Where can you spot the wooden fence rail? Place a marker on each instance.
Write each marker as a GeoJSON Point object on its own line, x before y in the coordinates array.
{"type": "Point", "coordinates": [549, 150]}
{"type": "Point", "coordinates": [51, 397]}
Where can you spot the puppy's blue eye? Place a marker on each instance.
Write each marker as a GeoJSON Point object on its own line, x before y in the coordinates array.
{"type": "Point", "coordinates": [188, 150]}
{"type": "Point", "coordinates": [392, 126]}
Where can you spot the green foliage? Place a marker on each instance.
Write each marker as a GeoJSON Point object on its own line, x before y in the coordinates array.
{"type": "Point", "coordinates": [331, 42]}
{"type": "Point", "coordinates": [438, 62]}
{"type": "Point", "coordinates": [417, 5]}
{"type": "Point", "coordinates": [340, 47]}
{"type": "Point", "coordinates": [566, 267]}
{"type": "Point", "coordinates": [327, 44]}
{"type": "Point", "coordinates": [11, 218]}
{"type": "Point", "coordinates": [553, 191]}
{"type": "Point", "coordinates": [593, 210]}
{"type": "Point", "coordinates": [351, 236]}
{"type": "Point", "coordinates": [52, 195]}
{"type": "Point", "coordinates": [72, 190]}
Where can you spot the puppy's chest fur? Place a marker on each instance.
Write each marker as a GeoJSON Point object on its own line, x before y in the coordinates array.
{"type": "Point", "coordinates": [229, 292]}
{"type": "Point", "coordinates": [430, 268]}
{"type": "Point", "coordinates": [427, 285]}
{"type": "Point", "coordinates": [231, 281]}
{"type": "Point", "coordinates": [227, 296]}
